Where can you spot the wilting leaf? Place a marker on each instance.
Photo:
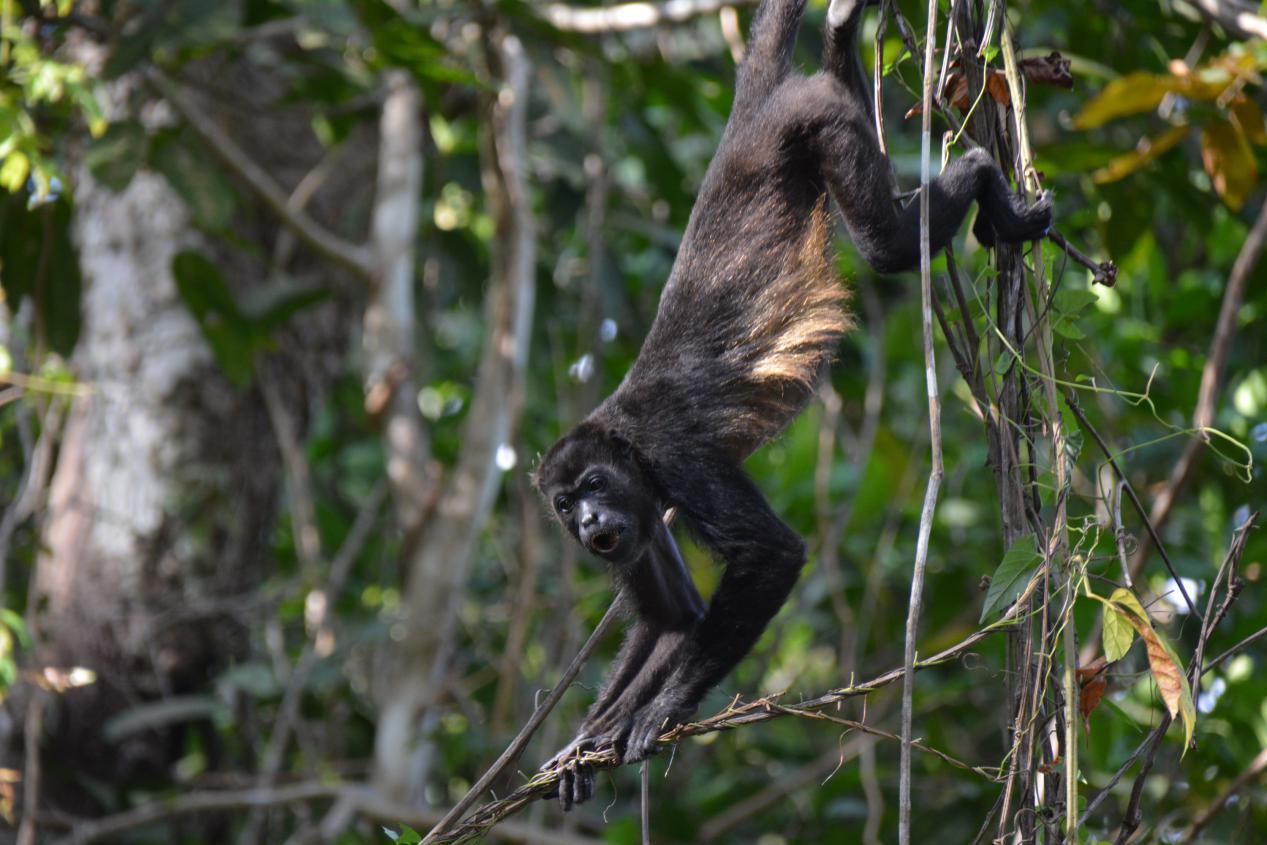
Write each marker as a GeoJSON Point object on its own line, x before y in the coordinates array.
{"type": "Point", "coordinates": [1147, 150]}
{"type": "Point", "coordinates": [1166, 667]}
{"type": "Point", "coordinates": [1228, 159]}
{"type": "Point", "coordinates": [1092, 683]}
{"type": "Point", "coordinates": [1052, 69]}
{"type": "Point", "coordinates": [1009, 580]}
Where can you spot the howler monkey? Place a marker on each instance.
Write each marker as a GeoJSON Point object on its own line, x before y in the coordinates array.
{"type": "Point", "coordinates": [748, 320]}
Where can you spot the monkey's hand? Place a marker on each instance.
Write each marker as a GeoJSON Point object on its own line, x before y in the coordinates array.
{"type": "Point", "coordinates": [576, 780]}
{"type": "Point", "coordinates": [664, 713]}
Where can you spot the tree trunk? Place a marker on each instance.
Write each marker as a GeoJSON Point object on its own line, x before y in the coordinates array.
{"type": "Point", "coordinates": [162, 450]}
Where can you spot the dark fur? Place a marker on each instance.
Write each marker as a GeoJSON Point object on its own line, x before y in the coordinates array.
{"type": "Point", "coordinates": [749, 319]}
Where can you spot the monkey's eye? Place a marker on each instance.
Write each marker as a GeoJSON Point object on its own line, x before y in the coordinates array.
{"type": "Point", "coordinates": [596, 484]}
{"type": "Point", "coordinates": [563, 504]}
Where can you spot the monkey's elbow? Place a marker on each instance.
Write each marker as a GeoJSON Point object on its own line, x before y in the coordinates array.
{"type": "Point", "coordinates": [888, 261]}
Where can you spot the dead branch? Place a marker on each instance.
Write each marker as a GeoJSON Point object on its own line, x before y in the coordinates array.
{"type": "Point", "coordinates": [627, 16]}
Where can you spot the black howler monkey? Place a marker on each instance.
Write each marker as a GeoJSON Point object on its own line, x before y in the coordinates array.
{"type": "Point", "coordinates": [748, 321]}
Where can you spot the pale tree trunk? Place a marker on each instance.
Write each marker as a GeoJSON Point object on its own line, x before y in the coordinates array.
{"type": "Point", "coordinates": [413, 670]}
{"type": "Point", "coordinates": [162, 444]}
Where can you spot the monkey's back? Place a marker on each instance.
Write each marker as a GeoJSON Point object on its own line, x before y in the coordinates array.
{"type": "Point", "coordinates": [751, 314]}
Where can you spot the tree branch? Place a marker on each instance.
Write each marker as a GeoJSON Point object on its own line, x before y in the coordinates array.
{"type": "Point", "coordinates": [543, 783]}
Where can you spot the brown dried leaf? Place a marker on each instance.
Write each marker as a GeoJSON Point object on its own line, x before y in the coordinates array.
{"type": "Point", "coordinates": [1052, 69]}
{"type": "Point", "coordinates": [1092, 683]}
{"type": "Point", "coordinates": [996, 84]}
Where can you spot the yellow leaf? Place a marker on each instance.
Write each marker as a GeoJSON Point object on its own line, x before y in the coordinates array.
{"type": "Point", "coordinates": [14, 171]}
{"type": "Point", "coordinates": [1147, 150]}
{"type": "Point", "coordinates": [1229, 161]}
{"type": "Point", "coordinates": [1131, 94]}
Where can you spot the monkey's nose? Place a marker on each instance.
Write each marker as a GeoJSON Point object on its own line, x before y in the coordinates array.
{"type": "Point", "coordinates": [588, 519]}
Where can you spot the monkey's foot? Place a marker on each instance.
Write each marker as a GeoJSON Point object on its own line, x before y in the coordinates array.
{"type": "Point", "coordinates": [1013, 221]}
{"type": "Point", "coordinates": [576, 780]}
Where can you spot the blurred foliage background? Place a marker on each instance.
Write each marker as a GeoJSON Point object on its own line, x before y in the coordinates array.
{"type": "Point", "coordinates": [295, 292]}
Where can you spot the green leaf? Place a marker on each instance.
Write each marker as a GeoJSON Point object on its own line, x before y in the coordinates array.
{"type": "Point", "coordinates": [230, 335]}
{"type": "Point", "coordinates": [1068, 329]}
{"type": "Point", "coordinates": [114, 159]}
{"type": "Point", "coordinates": [1071, 301]}
{"type": "Point", "coordinates": [272, 305]}
{"type": "Point", "coordinates": [406, 836]}
{"type": "Point", "coordinates": [195, 178]}
{"type": "Point", "coordinates": [1119, 634]}
{"type": "Point", "coordinates": [1013, 574]}
{"type": "Point", "coordinates": [1004, 362]}
{"type": "Point", "coordinates": [38, 260]}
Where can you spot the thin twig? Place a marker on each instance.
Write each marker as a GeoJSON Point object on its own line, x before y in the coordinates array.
{"type": "Point", "coordinates": [934, 427]}
{"type": "Point", "coordinates": [740, 715]}
{"type": "Point", "coordinates": [1105, 272]}
{"type": "Point", "coordinates": [1073, 406]}
{"type": "Point", "coordinates": [645, 814]}
{"type": "Point", "coordinates": [1256, 768]}
{"type": "Point", "coordinates": [358, 798]}
{"type": "Point", "coordinates": [517, 745]}
{"type": "Point", "coordinates": [1211, 376]}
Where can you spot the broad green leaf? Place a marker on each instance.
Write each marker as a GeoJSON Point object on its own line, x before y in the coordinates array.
{"type": "Point", "coordinates": [272, 305]}
{"type": "Point", "coordinates": [1228, 159]}
{"type": "Point", "coordinates": [231, 337]}
{"type": "Point", "coordinates": [1069, 329]}
{"type": "Point", "coordinates": [1071, 301]}
{"type": "Point", "coordinates": [196, 179]}
{"type": "Point", "coordinates": [13, 171]}
{"type": "Point", "coordinates": [39, 260]}
{"type": "Point", "coordinates": [1009, 580]}
{"type": "Point", "coordinates": [114, 159]}
{"type": "Point", "coordinates": [1118, 633]}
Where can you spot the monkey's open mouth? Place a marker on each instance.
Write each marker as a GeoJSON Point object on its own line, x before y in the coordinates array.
{"type": "Point", "coordinates": [605, 541]}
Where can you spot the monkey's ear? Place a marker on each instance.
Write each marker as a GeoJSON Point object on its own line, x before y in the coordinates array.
{"type": "Point", "coordinates": [662, 585]}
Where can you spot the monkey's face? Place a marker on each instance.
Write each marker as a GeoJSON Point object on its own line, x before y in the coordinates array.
{"type": "Point", "coordinates": [600, 499]}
